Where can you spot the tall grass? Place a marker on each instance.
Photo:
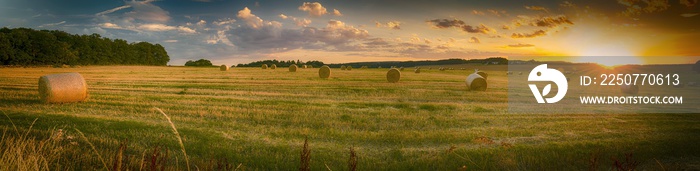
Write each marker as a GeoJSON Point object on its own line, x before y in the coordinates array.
{"type": "Point", "coordinates": [177, 135]}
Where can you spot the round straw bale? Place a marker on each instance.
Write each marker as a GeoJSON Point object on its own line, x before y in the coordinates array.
{"type": "Point", "coordinates": [476, 82]}
{"type": "Point", "coordinates": [342, 67]}
{"type": "Point", "coordinates": [629, 89]}
{"type": "Point", "coordinates": [293, 68]}
{"type": "Point", "coordinates": [273, 66]}
{"type": "Point", "coordinates": [483, 74]}
{"type": "Point", "coordinates": [417, 71]}
{"type": "Point", "coordinates": [348, 68]}
{"type": "Point", "coordinates": [223, 68]}
{"type": "Point", "coordinates": [324, 72]}
{"type": "Point", "coordinates": [393, 75]}
{"type": "Point", "coordinates": [264, 66]}
{"type": "Point", "coordinates": [305, 66]}
{"type": "Point", "coordinates": [401, 69]}
{"type": "Point", "coordinates": [62, 88]}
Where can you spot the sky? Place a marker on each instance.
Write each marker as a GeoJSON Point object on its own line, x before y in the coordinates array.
{"type": "Point", "coordinates": [233, 32]}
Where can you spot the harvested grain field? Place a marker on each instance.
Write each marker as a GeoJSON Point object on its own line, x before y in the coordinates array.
{"type": "Point", "coordinates": [258, 119]}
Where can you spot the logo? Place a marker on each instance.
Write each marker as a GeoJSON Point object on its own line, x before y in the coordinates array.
{"type": "Point", "coordinates": [542, 73]}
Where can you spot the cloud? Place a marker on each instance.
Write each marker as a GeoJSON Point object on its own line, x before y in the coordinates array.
{"type": "Point", "coordinates": [52, 24]}
{"type": "Point", "coordinates": [497, 13]}
{"type": "Point", "coordinates": [337, 13]}
{"type": "Point", "coordinates": [282, 16]}
{"type": "Point", "coordinates": [475, 12]}
{"type": "Point", "coordinates": [220, 37]}
{"type": "Point", "coordinates": [302, 22]}
{"type": "Point", "coordinates": [551, 21]}
{"type": "Point", "coordinates": [428, 41]}
{"type": "Point", "coordinates": [567, 4]}
{"type": "Point", "coordinates": [315, 9]}
{"type": "Point", "coordinates": [163, 27]}
{"type": "Point", "coordinates": [202, 23]}
{"type": "Point", "coordinates": [537, 8]}
{"type": "Point", "coordinates": [113, 10]}
{"type": "Point", "coordinates": [519, 45]}
{"type": "Point", "coordinates": [170, 41]}
{"type": "Point", "coordinates": [531, 35]}
{"type": "Point", "coordinates": [249, 18]}
{"type": "Point", "coordinates": [145, 11]}
{"type": "Point", "coordinates": [689, 15]}
{"type": "Point", "coordinates": [110, 26]}
{"type": "Point", "coordinates": [224, 21]}
{"type": "Point", "coordinates": [505, 27]}
{"type": "Point", "coordinates": [335, 36]}
{"type": "Point", "coordinates": [474, 40]}
{"type": "Point", "coordinates": [634, 9]}
{"type": "Point", "coordinates": [394, 25]}
{"type": "Point", "coordinates": [445, 23]}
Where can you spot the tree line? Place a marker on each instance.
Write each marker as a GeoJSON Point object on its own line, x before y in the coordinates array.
{"type": "Point", "coordinates": [282, 63]}
{"type": "Point", "coordinates": [27, 47]}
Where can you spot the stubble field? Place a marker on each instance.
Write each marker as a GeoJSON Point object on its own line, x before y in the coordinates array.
{"type": "Point", "coordinates": [255, 119]}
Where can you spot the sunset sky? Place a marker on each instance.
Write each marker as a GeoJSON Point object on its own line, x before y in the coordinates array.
{"type": "Point", "coordinates": [232, 32]}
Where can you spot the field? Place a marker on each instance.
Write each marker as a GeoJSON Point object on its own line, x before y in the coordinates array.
{"type": "Point", "coordinates": [254, 119]}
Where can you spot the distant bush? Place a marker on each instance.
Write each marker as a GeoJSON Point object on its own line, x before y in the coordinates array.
{"type": "Point", "coordinates": [199, 63]}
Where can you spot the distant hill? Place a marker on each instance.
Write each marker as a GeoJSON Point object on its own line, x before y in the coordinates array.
{"type": "Point", "coordinates": [387, 64]}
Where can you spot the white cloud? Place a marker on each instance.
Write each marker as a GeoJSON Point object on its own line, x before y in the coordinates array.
{"type": "Point", "coordinates": [163, 27]}
{"type": "Point", "coordinates": [113, 10]}
{"type": "Point", "coordinates": [202, 23]}
{"type": "Point", "coordinates": [314, 9]}
{"type": "Point", "coordinates": [250, 19]}
{"type": "Point", "coordinates": [337, 13]}
{"type": "Point", "coordinates": [224, 21]}
{"type": "Point", "coordinates": [283, 16]}
{"type": "Point", "coordinates": [145, 11]}
{"type": "Point", "coordinates": [170, 41]}
{"type": "Point", "coordinates": [394, 25]}
{"type": "Point", "coordinates": [52, 24]}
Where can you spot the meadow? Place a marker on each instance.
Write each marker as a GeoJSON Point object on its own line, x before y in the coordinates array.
{"type": "Point", "coordinates": [255, 119]}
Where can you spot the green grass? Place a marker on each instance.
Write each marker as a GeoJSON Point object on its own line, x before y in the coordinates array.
{"type": "Point", "coordinates": [249, 118]}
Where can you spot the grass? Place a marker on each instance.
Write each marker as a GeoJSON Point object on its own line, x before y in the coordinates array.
{"type": "Point", "coordinates": [255, 119]}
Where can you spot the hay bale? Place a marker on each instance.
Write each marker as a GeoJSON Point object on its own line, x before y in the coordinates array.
{"type": "Point", "coordinates": [483, 74]}
{"type": "Point", "coordinates": [324, 72]}
{"type": "Point", "coordinates": [273, 66]}
{"type": "Point", "coordinates": [264, 66]}
{"type": "Point", "coordinates": [629, 89]}
{"type": "Point", "coordinates": [342, 67]}
{"type": "Point", "coordinates": [476, 82]}
{"type": "Point", "coordinates": [223, 68]}
{"type": "Point", "coordinates": [393, 75]}
{"type": "Point", "coordinates": [401, 69]}
{"type": "Point", "coordinates": [417, 71]}
{"type": "Point", "coordinates": [62, 88]}
{"type": "Point", "coordinates": [348, 68]}
{"type": "Point", "coordinates": [305, 66]}
{"type": "Point", "coordinates": [293, 68]}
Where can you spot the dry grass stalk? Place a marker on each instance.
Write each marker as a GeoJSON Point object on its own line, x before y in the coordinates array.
{"type": "Point", "coordinates": [305, 156]}
{"type": "Point", "coordinates": [177, 135]}
{"type": "Point", "coordinates": [93, 148]}
{"type": "Point", "coordinates": [352, 162]}
{"type": "Point", "coordinates": [62, 88]}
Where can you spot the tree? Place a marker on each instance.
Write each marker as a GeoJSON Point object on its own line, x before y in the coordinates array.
{"type": "Point", "coordinates": [23, 46]}
{"type": "Point", "coordinates": [199, 63]}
